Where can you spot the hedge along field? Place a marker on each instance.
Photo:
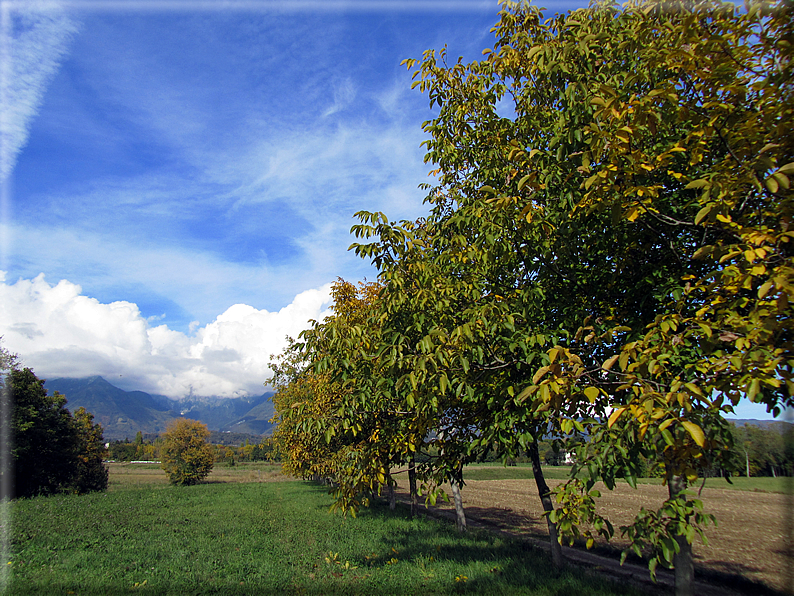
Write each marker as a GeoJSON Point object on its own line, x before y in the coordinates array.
{"type": "Point", "coordinates": [261, 538]}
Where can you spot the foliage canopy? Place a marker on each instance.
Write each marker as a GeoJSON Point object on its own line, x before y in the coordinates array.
{"type": "Point", "coordinates": [607, 253]}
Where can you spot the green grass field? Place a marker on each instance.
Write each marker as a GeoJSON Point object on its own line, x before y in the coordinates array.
{"type": "Point", "coordinates": [524, 472]}
{"type": "Point", "coordinates": [233, 538]}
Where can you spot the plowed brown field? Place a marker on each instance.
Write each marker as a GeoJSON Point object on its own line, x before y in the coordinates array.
{"type": "Point", "coordinates": [749, 540]}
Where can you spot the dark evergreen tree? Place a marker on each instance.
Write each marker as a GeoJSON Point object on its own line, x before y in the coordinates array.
{"type": "Point", "coordinates": [51, 450]}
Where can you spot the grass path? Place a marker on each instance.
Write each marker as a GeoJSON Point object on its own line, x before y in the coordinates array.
{"type": "Point", "coordinates": [261, 538]}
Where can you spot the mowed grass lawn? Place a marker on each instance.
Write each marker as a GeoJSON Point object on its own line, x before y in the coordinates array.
{"type": "Point", "coordinates": [261, 538]}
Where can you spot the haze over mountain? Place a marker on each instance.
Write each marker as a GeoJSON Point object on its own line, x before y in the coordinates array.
{"type": "Point", "coordinates": [123, 413]}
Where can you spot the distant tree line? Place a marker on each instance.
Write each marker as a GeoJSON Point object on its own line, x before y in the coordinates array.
{"type": "Point", "coordinates": [764, 451]}
{"type": "Point", "coordinates": [150, 449]}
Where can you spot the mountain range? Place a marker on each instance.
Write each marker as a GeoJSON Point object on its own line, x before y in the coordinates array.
{"type": "Point", "coordinates": [123, 413]}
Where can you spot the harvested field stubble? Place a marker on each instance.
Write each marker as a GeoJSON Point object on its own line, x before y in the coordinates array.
{"type": "Point", "coordinates": [124, 474]}
{"type": "Point", "coordinates": [749, 540]}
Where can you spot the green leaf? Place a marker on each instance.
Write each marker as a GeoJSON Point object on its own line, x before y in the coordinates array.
{"type": "Point", "coordinates": [703, 213]}
{"type": "Point", "coordinates": [523, 181]}
{"type": "Point", "coordinates": [786, 169]}
{"type": "Point", "coordinates": [702, 252]}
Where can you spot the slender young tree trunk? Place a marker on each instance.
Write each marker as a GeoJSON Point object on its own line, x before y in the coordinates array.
{"type": "Point", "coordinates": [390, 491]}
{"type": "Point", "coordinates": [548, 507]}
{"type": "Point", "coordinates": [412, 485]}
{"type": "Point", "coordinates": [684, 565]}
{"type": "Point", "coordinates": [459, 512]}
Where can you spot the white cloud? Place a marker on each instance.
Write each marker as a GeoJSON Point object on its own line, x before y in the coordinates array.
{"type": "Point", "coordinates": [34, 41]}
{"type": "Point", "coordinates": [60, 332]}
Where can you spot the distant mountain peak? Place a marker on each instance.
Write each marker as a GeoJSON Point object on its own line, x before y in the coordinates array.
{"type": "Point", "coordinates": [123, 413]}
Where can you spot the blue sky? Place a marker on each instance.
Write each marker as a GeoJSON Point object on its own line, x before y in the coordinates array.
{"type": "Point", "coordinates": [180, 178]}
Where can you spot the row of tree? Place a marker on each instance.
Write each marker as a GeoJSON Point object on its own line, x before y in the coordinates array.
{"type": "Point", "coordinates": [607, 256]}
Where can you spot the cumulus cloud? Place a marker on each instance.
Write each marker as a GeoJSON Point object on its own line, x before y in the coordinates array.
{"type": "Point", "coordinates": [35, 38]}
{"type": "Point", "coordinates": [60, 332]}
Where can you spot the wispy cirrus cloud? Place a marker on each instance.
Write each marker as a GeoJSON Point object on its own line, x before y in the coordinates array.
{"type": "Point", "coordinates": [34, 38]}
{"type": "Point", "coordinates": [344, 91]}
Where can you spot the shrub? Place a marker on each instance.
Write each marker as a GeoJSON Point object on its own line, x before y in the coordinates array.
{"type": "Point", "coordinates": [186, 456]}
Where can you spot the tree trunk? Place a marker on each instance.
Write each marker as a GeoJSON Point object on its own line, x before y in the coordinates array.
{"type": "Point", "coordinates": [412, 485]}
{"type": "Point", "coordinates": [460, 513]}
{"type": "Point", "coordinates": [548, 507]}
{"type": "Point", "coordinates": [390, 491]}
{"type": "Point", "coordinates": [682, 561]}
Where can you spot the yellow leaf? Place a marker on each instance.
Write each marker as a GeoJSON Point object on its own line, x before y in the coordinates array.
{"type": "Point", "coordinates": [695, 431]}
{"type": "Point", "coordinates": [771, 184]}
{"type": "Point", "coordinates": [591, 393]}
{"type": "Point", "coordinates": [538, 375]}
{"type": "Point", "coordinates": [694, 389]}
{"type": "Point", "coordinates": [553, 355]}
{"type": "Point", "coordinates": [632, 214]}
{"type": "Point", "coordinates": [764, 289]}
{"type": "Point", "coordinates": [614, 416]}
{"type": "Point", "coordinates": [702, 252]}
{"type": "Point", "coordinates": [611, 361]}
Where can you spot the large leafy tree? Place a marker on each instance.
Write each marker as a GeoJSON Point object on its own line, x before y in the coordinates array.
{"type": "Point", "coordinates": [610, 231]}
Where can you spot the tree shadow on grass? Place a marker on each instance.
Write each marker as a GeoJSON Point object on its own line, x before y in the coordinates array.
{"type": "Point", "coordinates": [508, 565]}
